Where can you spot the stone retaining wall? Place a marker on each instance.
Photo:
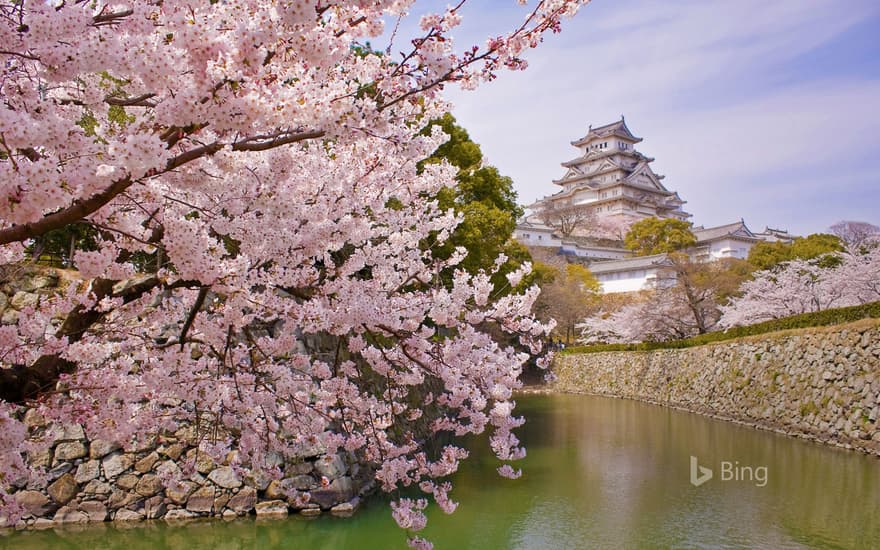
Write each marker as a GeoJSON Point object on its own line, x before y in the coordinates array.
{"type": "Point", "coordinates": [821, 384]}
{"type": "Point", "coordinates": [89, 481]}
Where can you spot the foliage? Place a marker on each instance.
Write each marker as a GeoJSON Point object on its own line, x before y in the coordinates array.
{"type": "Point", "coordinates": [270, 157]}
{"type": "Point", "coordinates": [568, 292]}
{"type": "Point", "coordinates": [801, 286]}
{"type": "Point", "coordinates": [685, 301]}
{"type": "Point", "coordinates": [658, 236]}
{"type": "Point", "coordinates": [828, 317]}
{"type": "Point", "coordinates": [487, 203]}
{"type": "Point", "coordinates": [766, 255]}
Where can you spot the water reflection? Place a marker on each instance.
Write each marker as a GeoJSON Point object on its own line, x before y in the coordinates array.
{"type": "Point", "coordinates": [600, 473]}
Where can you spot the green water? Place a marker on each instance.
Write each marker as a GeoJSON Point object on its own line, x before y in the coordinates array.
{"type": "Point", "coordinates": [601, 473]}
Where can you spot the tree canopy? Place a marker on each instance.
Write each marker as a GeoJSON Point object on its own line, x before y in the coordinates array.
{"type": "Point", "coordinates": [486, 201]}
{"type": "Point", "coordinates": [657, 236]}
{"type": "Point", "coordinates": [267, 161]}
{"type": "Point", "coordinates": [765, 255]}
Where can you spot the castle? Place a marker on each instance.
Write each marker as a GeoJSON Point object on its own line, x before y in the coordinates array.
{"type": "Point", "coordinates": [606, 189]}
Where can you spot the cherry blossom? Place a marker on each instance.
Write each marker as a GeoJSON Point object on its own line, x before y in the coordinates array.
{"type": "Point", "coordinates": [264, 263]}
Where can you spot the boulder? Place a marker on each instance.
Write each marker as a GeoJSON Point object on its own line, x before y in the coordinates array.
{"type": "Point", "coordinates": [116, 463]}
{"type": "Point", "coordinates": [22, 299]}
{"type": "Point", "coordinates": [99, 448]}
{"type": "Point", "coordinates": [128, 515]}
{"type": "Point", "coordinates": [330, 466]}
{"type": "Point", "coordinates": [63, 489]}
{"type": "Point", "coordinates": [96, 511]}
{"type": "Point", "coordinates": [127, 481]}
{"type": "Point", "coordinates": [179, 492]}
{"type": "Point", "coordinates": [201, 501]}
{"type": "Point", "coordinates": [339, 491]}
{"type": "Point", "coordinates": [146, 464]}
{"type": "Point", "coordinates": [154, 507]}
{"type": "Point", "coordinates": [87, 471]}
{"type": "Point", "coordinates": [34, 503]}
{"type": "Point", "coordinates": [179, 514]}
{"type": "Point", "coordinates": [244, 501]}
{"type": "Point", "coordinates": [70, 451]}
{"type": "Point", "coordinates": [225, 477]}
{"type": "Point", "coordinates": [271, 509]}
{"type": "Point", "coordinates": [149, 485]}
{"type": "Point", "coordinates": [67, 514]}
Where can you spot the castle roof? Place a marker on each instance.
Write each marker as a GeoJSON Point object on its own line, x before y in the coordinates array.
{"type": "Point", "coordinates": [629, 264]}
{"type": "Point", "coordinates": [618, 129]}
{"type": "Point", "coordinates": [737, 230]}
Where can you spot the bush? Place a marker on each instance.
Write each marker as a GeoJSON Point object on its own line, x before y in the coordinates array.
{"type": "Point", "coordinates": [827, 317]}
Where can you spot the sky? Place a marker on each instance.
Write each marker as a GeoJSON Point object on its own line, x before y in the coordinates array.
{"type": "Point", "coordinates": [763, 110]}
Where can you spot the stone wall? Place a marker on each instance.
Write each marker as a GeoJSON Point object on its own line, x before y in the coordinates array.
{"type": "Point", "coordinates": [821, 384]}
{"type": "Point", "coordinates": [89, 481]}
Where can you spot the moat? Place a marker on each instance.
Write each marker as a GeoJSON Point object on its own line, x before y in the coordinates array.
{"type": "Point", "coordinates": [600, 473]}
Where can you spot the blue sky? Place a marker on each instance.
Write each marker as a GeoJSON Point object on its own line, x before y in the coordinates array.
{"type": "Point", "coordinates": [765, 110]}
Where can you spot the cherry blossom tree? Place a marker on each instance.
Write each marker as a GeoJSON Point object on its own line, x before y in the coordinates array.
{"type": "Point", "coordinates": [261, 162]}
{"type": "Point", "coordinates": [804, 286]}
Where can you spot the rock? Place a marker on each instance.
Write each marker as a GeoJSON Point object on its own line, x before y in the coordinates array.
{"type": "Point", "coordinates": [33, 418]}
{"type": "Point", "coordinates": [96, 511]}
{"type": "Point", "coordinates": [128, 515]}
{"type": "Point", "coordinates": [10, 317]}
{"type": "Point", "coordinates": [87, 471]}
{"type": "Point", "coordinates": [220, 502]}
{"type": "Point", "coordinates": [40, 459]}
{"type": "Point", "coordinates": [120, 499]}
{"type": "Point", "coordinates": [271, 509]}
{"type": "Point", "coordinates": [63, 489]}
{"type": "Point", "coordinates": [67, 514]}
{"type": "Point", "coordinates": [201, 501]}
{"type": "Point", "coordinates": [331, 466]}
{"type": "Point", "coordinates": [828, 376]}
{"type": "Point", "coordinates": [100, 448]}
{"type": "Point", "coordinates": [225, 477]}
{"type": "Point", "coordinates": [149, 485]}
{"type": "Point", "coordinates": [257, 480]}
{"type": "Point", "coordinates": [97, 487]}
{"type": "Point", "coordinates": [127, 481]}
{"type": "Point", "coordinates": [116, 463]}
{"type": "Point", "coordinates": [346, 508]}
{"type": "Point", "coordinates": [179, 492]}
{"type": "Point", "coordinates": [310, 512]}
{"type": "Point", "coordinates": [274, 490]}
{"type": "Point", "coordinates": [173, 451]}
{"type": "Point", "coordinates": [168, 469]}
{"type": "Point", "coordinates": [34, 503]}
{"type": "Point", "coordinates": [244, 501]}
{"type": "Point", "coordinates": [43, 523]}
{"type": "Point", "coordinates": [340, 490]}
{"type": "Point", "coordinates": [59, 471]}
{"type": "Point", "coordinates": [22, 299]}
{"type": "Point", "coordinates": [146, 464]}
{"type": "Point", "coordinates": [303, 482]}
{"type": "Point", "coordinates": [45, 280]}
{"type": "Point", "coordinates": [154, 507]}
{"type": "Point", "coordinates": [229, 514]}
{"type": "Point", "coordinates": [179, 514]}
{"type": "Point", "coordinates": [70, 451]}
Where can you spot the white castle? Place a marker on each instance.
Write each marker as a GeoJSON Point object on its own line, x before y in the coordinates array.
{"type": "Point", "coordinates": [609, 186]}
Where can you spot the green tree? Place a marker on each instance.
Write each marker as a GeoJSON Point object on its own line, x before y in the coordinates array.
{"type": "Point", "coordinates": [485, 199]}
{"type": "Point", "coordinates": [656, 236]}
{"type": "Point", "coordinates": [766, 255]}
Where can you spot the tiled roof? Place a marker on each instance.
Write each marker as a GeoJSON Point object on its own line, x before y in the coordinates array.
{"type": "Point", "coordinates": [629, 264]}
